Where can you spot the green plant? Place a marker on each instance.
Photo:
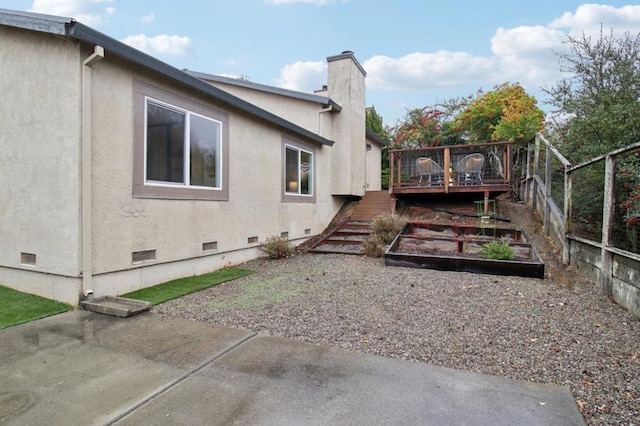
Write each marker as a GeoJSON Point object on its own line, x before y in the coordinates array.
{"type": "Point", "coordinates": [505, 113]}
{"type": "Point", "coordinates": [499, 250]}
{"type": "Point", "coordinates": [277, 247]}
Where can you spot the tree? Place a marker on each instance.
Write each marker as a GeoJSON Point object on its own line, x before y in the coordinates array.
{"type": "Point", "coordinates": [600, 103]}
{"type": "Point", "coordinates": [429, 126]}
{"type": "Point", "coordinates": [373, 122]}
{"type": "Point", "coordinates": [507, 113]}
{"type": "Point", "coordinates": [600, 99]}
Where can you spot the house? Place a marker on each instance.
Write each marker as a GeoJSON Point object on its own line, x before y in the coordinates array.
{"type": "Point", "coordinates": [120, 172]}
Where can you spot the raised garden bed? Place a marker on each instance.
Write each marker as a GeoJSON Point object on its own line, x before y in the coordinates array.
{"type": "Point", "coordinates": [458, 248]}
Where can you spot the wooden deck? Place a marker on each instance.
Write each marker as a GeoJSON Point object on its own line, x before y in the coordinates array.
{"type": "Point", "coordinates": [491, 177]}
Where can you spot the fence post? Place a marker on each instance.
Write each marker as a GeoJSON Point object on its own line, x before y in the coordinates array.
{"type": "Point", "coordinates": [547, 190]}
{"type": "Point", "coordinates": [568, 188]}
{"type": "Point", "coordinates": [608, 210]}
{"type": "Point", "coordinates": [527, 187]}
{"type": "Point", "coordinates": [536, 160]}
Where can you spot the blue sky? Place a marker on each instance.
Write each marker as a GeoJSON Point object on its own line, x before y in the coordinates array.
{"type": "Point", "coordinates": [416, 53]}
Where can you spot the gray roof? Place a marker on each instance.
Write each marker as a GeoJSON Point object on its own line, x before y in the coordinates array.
{"type": "Point", "coordinates": [376, 138]}
{"type": "Point", "coordinates": [69, 27]}
{"type": "Point", "coordinates": [311, 97]}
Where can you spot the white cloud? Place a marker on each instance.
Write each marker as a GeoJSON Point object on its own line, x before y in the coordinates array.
{"type": "Point", "coordinates": [148, 18]}
{"type": "Point", "coordinates": [418, 71]}
{"type": "Point", "coordinates": [169, 45]}
{"type": "Point", "coordinates": [525, 54]}
{"type": "Point", "coordinates": [89, 12]}
{"type": "Point", "coordinates": [303, 76]}
{"type": "Point", "coordinates": [589, 18]}
{"type": "Point", "coordinates": [522, 54]}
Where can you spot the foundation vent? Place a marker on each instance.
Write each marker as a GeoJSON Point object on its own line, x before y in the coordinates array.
{"type": "Point", "coordinates": [210, 246]}
{"type": "Point", "coordinates": [252, 240]}
{"type": "Point", "coordinates": [143, 256]}
{"type": "Point", "coordinates": [307, 231]}
{"type": "Point", "coordinates": [28, 259]}
{"type": "Point", "coordinates": [284, 235]}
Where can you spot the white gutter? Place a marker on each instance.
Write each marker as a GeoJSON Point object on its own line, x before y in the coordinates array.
{"type": "Point", "coordinates": [86, 193]}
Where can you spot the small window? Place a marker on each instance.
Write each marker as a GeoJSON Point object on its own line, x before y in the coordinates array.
{"type": "Point", "coordinates": [298, 173]}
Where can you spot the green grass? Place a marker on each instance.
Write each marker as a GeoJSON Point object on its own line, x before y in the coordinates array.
{"type": "Point", "coordinates": [17, 307]}
{"type": "Point", "coordinates": [183, 286]}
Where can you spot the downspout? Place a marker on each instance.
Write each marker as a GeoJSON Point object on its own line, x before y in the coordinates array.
{"type": "Point", "coordinates": [85, 183]}
{"type": "Point", "coordinates": [327, 109]}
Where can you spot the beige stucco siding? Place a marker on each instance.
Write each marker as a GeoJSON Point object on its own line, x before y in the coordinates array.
{"type": "Point", "coordinates": [374, 167]}
{"type": "Point", "coordinates": [39, 160]}
{"type": "Point", "coordinates": [176, 229]}
{"type": "Point", "coordinates": [304, 113]}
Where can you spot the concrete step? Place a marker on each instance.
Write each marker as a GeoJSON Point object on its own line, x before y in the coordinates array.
{"type": "Point", "coordinates": [115, 306]}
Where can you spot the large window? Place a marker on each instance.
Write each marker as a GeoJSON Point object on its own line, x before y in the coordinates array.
{"type": "Point", "coordinates": [180, 148]}
{"type": "Point", "coordinates": [298, 173]}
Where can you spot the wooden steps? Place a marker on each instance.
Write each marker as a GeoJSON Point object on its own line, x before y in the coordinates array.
{"type": "Point", "coordinates": [348, 238]}
{"type": "Point", "coordinates": [374, 203]}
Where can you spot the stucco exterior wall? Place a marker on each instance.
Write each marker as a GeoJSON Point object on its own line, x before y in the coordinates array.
{"type": "Point", "coordinates": [303, 113]}
{"type": "Point", "coordinates": [39, 163]}
{"type": "Point", "coordinates": [176, 229]}
{"type": "Point", "coordinates": [374, 167]}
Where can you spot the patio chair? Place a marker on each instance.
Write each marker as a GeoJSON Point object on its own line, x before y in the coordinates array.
{"type": "Point", "coordinates": [429, 168]}
{"type": "Point", "coordinates": [470, 168]}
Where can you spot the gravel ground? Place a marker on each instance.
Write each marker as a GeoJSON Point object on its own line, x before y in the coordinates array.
{"type": "Point", "coordinates": [546, 331]}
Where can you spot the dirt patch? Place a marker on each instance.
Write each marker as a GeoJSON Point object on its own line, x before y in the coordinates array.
{"type": "Point", "coordinates": [525, 219]}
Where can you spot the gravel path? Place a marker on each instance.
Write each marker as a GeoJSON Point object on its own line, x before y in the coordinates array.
{"type": "Point", "coordinates": [537, 330]}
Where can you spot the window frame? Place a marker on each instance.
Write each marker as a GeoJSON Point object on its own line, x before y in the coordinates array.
{"type": "Point", "coordinates": [143, 188]}
{"type": "Point", "coordinates": [300, 147]}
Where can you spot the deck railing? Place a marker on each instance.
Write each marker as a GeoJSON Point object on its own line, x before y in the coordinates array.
{"type": "Point", "coordinates": [407, 171]}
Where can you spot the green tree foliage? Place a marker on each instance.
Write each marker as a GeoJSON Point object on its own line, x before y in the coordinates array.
{"type": "Point", "coordinates": [600, 100]}
{"type": "Point", "coordinates": [507, 113]}
{"type": "Point", "coordinates": [599, 106]}
{"type": "Point", "coordinates": [429, 126]}
{"type": "Point", "coordinates": [373, 122]}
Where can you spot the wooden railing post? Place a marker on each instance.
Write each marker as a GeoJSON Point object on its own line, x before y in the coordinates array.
{"type": "Point", "coordinates": [392, 161]}
{"type": "Point", "coordinates": [608, 210]}
{"type": "Point", "coordinates": [447, 169]}
{"type": "Point", "coordinates": [547, 190]}
{"type": "Point", "coordinates": [536, 167]}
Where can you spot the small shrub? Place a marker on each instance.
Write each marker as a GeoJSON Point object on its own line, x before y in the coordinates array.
{"type": "Point", "coordinates": [277, 247]}
{"type": "Point", "coordinates": [497, 250]}
{"type": "Point", "coordinates": [374, 246]}
{"type": "Point", "coordinates": [387, 226]}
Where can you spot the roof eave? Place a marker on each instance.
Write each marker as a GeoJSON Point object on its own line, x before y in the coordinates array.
{"type": "Point", "coordinates": [322, 100]}
{"type": "Point", "coordinates": [87, 34]}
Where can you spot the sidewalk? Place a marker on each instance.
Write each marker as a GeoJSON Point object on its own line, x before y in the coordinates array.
{"type": "Point", "coordinates": [86, 368]}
